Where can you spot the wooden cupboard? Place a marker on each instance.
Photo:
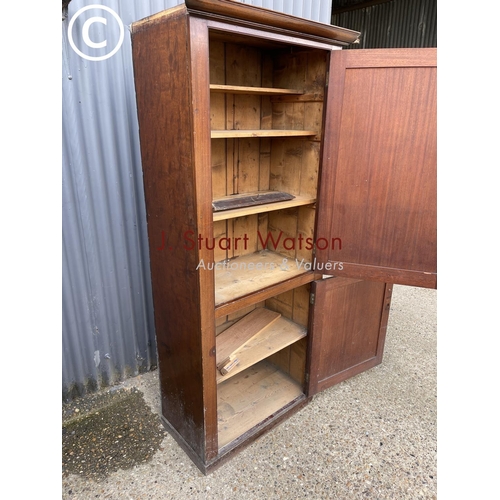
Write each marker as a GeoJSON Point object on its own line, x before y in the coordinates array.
{"type": "Point", "coordinates": [288, 184]}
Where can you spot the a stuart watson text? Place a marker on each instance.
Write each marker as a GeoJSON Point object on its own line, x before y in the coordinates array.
{"type": "Point", "coordinates": [269, 240]}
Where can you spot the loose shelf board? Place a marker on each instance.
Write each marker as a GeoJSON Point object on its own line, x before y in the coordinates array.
{"type": "Point", "coordinates": [276, 336]}
{"type": "Point", "coordinates": [249, 199]}
{"type": "Point", "coordinates": [296, 201]}
{"type": "Point", "coordinates": [244, 330]}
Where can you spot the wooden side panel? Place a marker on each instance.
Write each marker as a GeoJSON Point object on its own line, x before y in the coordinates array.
{"type": "Point", "coordinates": [378, 180]}
{"type": "Point", "coordinates": [347, 329]}
{"type": "Point", "coordinates": [173, 183]}
{"type": "Point", "coordinates": [218, 119]}
{"type": "Point", "coordinates": [200, 98]}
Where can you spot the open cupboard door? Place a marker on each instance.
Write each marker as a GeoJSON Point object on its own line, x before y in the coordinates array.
{"type": "Point", "coordinates": [377, 201]}
{"type": "Point", "coordinates": [347, 328]}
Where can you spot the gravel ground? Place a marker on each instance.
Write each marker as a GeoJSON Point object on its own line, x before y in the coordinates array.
{"type": "Point", "coordinates": [373, 436]}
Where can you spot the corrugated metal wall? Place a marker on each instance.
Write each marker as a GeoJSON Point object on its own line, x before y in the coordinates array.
{"type": "Point", "coordinates": [317, 10]}
{"type": "Point", "coordinates": [108, 328]}
{"type": "Point", "coordinates": [398, 23]}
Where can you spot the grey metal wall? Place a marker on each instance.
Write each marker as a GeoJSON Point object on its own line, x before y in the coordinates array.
{"type": "Point", "coordinates": [107, 324]}
{"type": "Point", "coordinates": [398, 23]}
{"type": "Point", "coordinates": [317, 10]}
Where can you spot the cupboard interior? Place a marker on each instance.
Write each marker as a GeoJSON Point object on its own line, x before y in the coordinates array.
{"type": "Point", "coordinates": [266, 115]}
{"type": "Point", "coordinates": [271, 370]}
{"type": "Point", "coordinates": [262, 95]}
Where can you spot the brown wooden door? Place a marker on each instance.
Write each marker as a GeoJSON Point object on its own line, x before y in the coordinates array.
{"type": "Point", "coordinates": [377, 201]}
{"type": "Point", "coordinates": [347, 329]}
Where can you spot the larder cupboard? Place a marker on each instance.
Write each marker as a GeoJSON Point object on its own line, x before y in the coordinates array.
{"type": "Point", "coordinates": [288, 184]}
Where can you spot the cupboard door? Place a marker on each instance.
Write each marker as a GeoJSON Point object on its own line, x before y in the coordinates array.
{"type": "Point", "coordinates": [377, 201]}
{"type": "Point", "coordinates": [347, 329]}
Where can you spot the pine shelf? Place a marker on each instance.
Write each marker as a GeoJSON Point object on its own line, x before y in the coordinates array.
{"type": "Point", "coordinates": [238, 134]}
{"type": "Point", "coordinates": [250, 273]}
{"type": "Point", "coordinates": [238, 89]}
{"type": "Point", "coordinates": [297, 201]}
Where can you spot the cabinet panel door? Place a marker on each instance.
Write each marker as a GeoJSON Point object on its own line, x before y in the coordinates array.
{"type": "Point", "coordinates": [347, 329]}
{"type": "Point", "coordinates": [377, 201]}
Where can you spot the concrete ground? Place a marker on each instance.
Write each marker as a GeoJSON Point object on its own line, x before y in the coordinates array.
{"type": "Point", "coordinates": [373, 436]}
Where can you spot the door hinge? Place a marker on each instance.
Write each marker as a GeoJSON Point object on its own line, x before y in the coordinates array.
{"type": "Point", "coordinates": [307, 378]}
{"type": "Point", "coordinates": [312, 298]}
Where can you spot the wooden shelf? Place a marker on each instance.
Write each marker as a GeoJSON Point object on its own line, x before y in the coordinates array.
{"type": "Point", "coordinates": [275, 337]}
{"type": "Point", "coordinates": [250, 273]}
{"type": "Point", "coordinates": [237, 134]}
{"type": "Point", "coordinates": [238, 89]}
{"type": "Point", "coordinates": [238, 303]}
{"type": "Point", "coordinates": [250, 397]}
{"type": "Point", "coordinates": [243, 200]}
{"type": "Point", "coordinates": [298, 201]}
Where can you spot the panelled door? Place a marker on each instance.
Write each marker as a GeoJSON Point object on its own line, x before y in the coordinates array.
{"type": "Point", "coordinates": [377, 201]}
{"type": "Point", "coordinates": [347, 329]}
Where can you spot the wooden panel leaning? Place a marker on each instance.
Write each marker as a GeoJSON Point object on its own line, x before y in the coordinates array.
{"type": "Point", "coordinates": [236, 336]}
